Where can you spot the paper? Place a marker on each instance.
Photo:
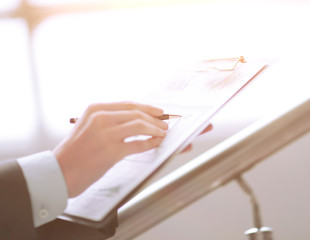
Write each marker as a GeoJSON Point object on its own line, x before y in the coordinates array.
{"type": "Point", "coordinates": [196, 96]}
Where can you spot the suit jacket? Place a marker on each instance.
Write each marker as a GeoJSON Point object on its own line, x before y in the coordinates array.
{"type": "Point", "coordinates": [16, 213]}
{"type": "Point", "coordinates": [15, 206]}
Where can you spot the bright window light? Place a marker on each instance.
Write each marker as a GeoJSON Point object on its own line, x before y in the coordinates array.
{"type": "Point", "coordinates": [111, 3]}
{"type": "Point", "coordinates": [16, 90]}
{"type": "Point", "coordinates": [122, 54]}
{"type": "Point", "coordinates": [59, 2]}
{"type": "Point", "coordinates": [8, 4]}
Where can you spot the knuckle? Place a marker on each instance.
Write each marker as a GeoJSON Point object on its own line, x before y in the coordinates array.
{"type": "Point", "coordinates": [98, 118]}
{"type": "Point", "coordinates": [92, 108]}
{"type": "Point", "coordinates": [129, 104]}
{"type": "Point", "coordinates": [137, 114]}
{"type": "Point", "coordinates": [140, 124]}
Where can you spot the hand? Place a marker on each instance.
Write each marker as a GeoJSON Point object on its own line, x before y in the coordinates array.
{"type": "Point", "coordinates": [190, 146]}
{"type": "Point", "coordinates": [97, 141]}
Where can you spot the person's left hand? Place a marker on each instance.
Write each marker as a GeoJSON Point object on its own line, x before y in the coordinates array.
{"type": "Point", "coordinates": [190, 146]}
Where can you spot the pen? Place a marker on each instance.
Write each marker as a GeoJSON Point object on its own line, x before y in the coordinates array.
{"type": "Point", "coordinates": [161, 117]}
{"type": "Point", "coordinates": [168, 116]}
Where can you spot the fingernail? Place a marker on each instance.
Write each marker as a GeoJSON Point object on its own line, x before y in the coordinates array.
{"type": "Point", "coordinates": [165, 125]}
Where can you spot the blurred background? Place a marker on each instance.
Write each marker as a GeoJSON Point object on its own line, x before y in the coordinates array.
{"type": "Point", "coordinates": [57, 57]}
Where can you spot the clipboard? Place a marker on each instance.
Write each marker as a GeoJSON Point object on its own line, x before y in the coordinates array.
{"type": "Point", "coordinates": [197, 95]}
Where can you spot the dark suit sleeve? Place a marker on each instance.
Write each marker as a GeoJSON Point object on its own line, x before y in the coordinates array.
{"type": "Point", "coordinates": [15, 206]}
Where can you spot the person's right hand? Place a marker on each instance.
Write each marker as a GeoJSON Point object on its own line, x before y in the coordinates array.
{"type": "Point", "coordinates": [97, 141]}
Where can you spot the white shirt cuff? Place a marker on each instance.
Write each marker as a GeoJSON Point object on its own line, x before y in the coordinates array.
{"type": "Point", "coordinates": [46, 185]}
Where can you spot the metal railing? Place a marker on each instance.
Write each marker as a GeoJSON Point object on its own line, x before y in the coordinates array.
{"type": "Point", "coordinates": [225, 162]}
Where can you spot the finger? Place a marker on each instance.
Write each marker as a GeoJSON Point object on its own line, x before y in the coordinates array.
{"type": "Point", "coordinates": [137, 127]}
{"type": "Point", "coordinates": [120, 106]}
{"type": "Point", "coordinates": [207, 129]}
{"type": "Point", "coordinates": [190, 146]}
{"type": "Point", "coordinates": [108, 118]}
{"type": "Point", "coordinates": [141, 146]}
{"type": "Point", "coordinates": [187, 148]}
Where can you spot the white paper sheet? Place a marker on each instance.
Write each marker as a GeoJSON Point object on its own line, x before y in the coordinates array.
{"type": "Point", "coordinates": [196, 96]}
